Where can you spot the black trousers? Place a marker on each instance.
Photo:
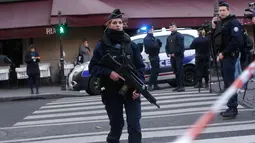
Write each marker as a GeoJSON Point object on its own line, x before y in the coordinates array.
{"type": "Point", "coordinates": [177, 65]}
{"type": "Point", "coordinates": [202, 67]}
{"type": "Point", "coordinates": [34, 79]}
{"type": "Point", "coordinates": [228, 70]}
{"type": "Point", "coordinates": [114, 107]}
{"type": "Point", "coordinates": [154, 70]}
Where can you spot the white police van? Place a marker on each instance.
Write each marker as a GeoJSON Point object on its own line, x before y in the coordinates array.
{"type": "Point", "coordinates": [80, 79]}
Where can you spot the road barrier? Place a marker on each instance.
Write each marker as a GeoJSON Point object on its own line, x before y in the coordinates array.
{"type": "Point", "coordinates": [205, 119]}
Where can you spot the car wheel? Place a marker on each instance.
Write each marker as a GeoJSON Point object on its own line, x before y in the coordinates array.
{"type": "Point", "coordinates": [189, 76]}
{"type": "Point", "coordinates": [93, 86]}
{"type": "Point", "coordinates": [172, 83]}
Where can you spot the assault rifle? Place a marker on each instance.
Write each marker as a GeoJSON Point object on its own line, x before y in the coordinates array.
{"type": "Point", "coordinates": [129, 74]}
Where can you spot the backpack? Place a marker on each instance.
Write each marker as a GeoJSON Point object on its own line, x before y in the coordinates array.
{"type": "Point", "coordinates": [247, 45]}
{"type": "Point", "coordinates": [79, 58]}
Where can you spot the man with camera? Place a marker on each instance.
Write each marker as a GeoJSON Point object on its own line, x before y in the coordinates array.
{"type": "Point", "coordinates": [152, 47]}
{"type": "Point", "coordinates": [228, 42]}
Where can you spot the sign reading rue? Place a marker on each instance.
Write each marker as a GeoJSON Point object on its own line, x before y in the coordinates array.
{"type": "Point", "coordinates": [50, 31]}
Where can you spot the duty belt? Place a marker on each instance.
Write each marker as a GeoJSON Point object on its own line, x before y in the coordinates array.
{"type": "Point", "coordinates": [231, 54]}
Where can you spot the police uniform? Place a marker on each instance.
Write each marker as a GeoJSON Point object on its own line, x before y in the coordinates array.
{"type": "Point", "coordinates": [116, 43]}
{"type": "Point", "coordinates": [201, 45]}
{"type": "Point", "coordinates": [175, 45]}
{"type": "Point", "coordinates": [152, 47]}
{"type": "Point", "coordinates": [229, 41]}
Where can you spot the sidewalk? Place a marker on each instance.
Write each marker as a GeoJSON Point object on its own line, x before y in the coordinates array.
{"type": "Point", "coordinates": [51, 92]}
{"type": "Point", "coordinates": [46, 92]}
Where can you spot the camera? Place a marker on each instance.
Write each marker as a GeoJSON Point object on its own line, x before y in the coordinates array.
{"type": "Point", "coordinates": [251, 10]}
{"type": "Point", "coordinates": [205, 26]}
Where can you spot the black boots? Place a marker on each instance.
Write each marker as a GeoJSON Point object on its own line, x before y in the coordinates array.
{"type": "Point", "coordinates": [155, 87]}
{"type": "Point", "coordinates": [32, 91]}
{"type": "Point", "coordinates": [230, 113]}
{"type": "Point", "coordinates": [200, 85]}
{"type": "Point", "coordinates": [179, 89]}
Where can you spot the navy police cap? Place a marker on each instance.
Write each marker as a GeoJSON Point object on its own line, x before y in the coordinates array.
{"type": "Point", "coordinates": [223, 3]}
{"type": "Point", "coordinates": [115, 14]}
{"type": "Point", "coordinates": [172, 24]}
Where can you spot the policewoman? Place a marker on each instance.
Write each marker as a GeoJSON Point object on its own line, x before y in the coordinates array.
{"type": "Point", "coordinates": [116, 42]}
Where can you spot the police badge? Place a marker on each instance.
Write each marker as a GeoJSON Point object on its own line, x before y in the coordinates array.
{"type": "Point", "coordinates": [236, 29]}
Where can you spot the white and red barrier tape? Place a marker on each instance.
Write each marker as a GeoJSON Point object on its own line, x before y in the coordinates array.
{"type": "Point", "coordinates": [204, 120]}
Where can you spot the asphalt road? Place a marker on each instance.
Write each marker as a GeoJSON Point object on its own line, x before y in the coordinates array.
{"type": "Point", "coordinates": [84, 120]}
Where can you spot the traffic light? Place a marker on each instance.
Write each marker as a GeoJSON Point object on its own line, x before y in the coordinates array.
{"type": "Point", "coordinates": [61, 29]}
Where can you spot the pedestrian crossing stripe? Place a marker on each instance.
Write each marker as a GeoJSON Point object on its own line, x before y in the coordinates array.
{"type": "Point", "coordinates": [153, 133]}
{"type": "Point", "coordinates": [80, 110]}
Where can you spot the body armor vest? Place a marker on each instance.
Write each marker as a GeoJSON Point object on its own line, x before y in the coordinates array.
{"type": "Point", "coordinates": [118, 52]}
{"type": "Point", "coordinates": [218, 36]}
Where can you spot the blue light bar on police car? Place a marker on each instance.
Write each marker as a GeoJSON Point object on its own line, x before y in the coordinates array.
{"type": "Point", "coordinates": [142, 30]}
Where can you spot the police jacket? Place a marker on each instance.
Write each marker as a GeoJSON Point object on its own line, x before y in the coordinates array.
{"type": "Point", "coordinates": [228, 37]}
{"type": "Point", "coordinates": [113, 43]}
{"type": "Point", "coordinates": [32, 65]}
{"type": "Point", "coordinates": [175, 44]}
{"type": "Point", "coordinates": [202, 46]}
{"type": "Point", "coordinates": [152, 45]}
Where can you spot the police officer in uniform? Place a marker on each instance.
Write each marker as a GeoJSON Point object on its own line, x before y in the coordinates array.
{"type": "Point", "coordinates": [228, 41]}
{"type": "Point", "coordinates": [118, 44]}
{"type": "Point", "coordinates": [175, 50]}
{"type": "Point", "coordinates": [152, 47]}
{"type": "Point", "coordinates": [201, 44]}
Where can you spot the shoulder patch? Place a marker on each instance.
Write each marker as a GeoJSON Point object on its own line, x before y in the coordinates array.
{"type": "Point", "coordinates": [236, 29]}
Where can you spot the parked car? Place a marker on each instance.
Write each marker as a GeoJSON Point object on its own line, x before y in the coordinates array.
{"type": "Point", "coordinates": [79, 78]}
{"type": "Point", "coordinates": [6, 63]}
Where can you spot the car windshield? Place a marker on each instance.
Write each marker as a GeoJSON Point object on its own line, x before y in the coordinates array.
{"type": "Point", "coordinates": [187, 41]}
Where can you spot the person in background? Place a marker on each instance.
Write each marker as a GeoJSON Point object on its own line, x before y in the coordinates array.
{"type": "Point", "coordinates": [32, 59]}
{"type": "Point", "coordinates": [175, 50]}
{"type": "Point", "coordinates": [84, 51]}
{"type": "Point", "coordinates": [152, 48]}
{"type": "Point", "coordinates": [202, 45]}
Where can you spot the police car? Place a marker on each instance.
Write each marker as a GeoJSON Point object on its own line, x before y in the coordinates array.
{"type": "Point", "coordinates": [79, 78]}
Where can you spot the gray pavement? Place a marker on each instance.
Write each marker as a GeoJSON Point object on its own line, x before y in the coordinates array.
{"type": "Point", "coordinates": [83, 119]}
{"type": "Point", "coordinates": [52, 92]}
{"type": "Point", "coordinates": [245, 98]}
{"type": "Point", "coordinates": [46, 92]}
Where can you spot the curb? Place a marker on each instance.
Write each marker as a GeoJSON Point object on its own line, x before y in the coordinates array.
{"type": "Point", "coordinates": [42, 96]}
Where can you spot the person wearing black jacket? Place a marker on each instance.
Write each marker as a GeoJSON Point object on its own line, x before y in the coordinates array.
{"type": "Point", "coordinates": [175, 50]}
{"type": "Point", "coordinates": [119, 45]}
{"type": "Point", "coordinates": [248, 46]}
{"type": "Point", "coordinates": [201, 45]}
{"type": "Point", "coordinates": [152, 47]}
{"type": "Point", "coordinates": [32, 59]}
{"type": "Point", "coordinates": [228, 42]}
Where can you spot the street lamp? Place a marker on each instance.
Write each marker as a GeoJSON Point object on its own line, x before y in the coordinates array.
{"type": "Point", "coordinates": [60, 31]}
{"type": "Point", "coordinates": [216, 8]}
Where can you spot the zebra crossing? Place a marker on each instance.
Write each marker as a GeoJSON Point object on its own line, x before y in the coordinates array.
{"type": "Point", "coordinates": [90, 110]}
